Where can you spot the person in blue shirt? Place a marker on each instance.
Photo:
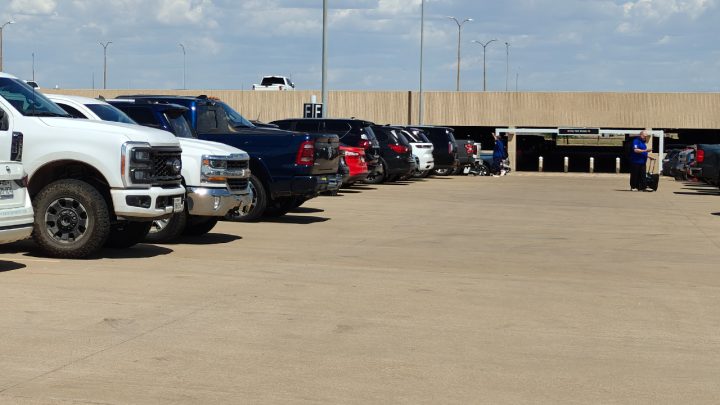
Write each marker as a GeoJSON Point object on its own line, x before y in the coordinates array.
{"type": "Point", "coordinates": [638, 161]}
{"type": "Point", "coordinates": [498, 155]}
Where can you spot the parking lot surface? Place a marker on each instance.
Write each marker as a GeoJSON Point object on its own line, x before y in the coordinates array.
{"type": "Point", "coordinates": [521, 289]}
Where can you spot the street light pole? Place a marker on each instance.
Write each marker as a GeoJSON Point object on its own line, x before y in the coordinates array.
{"type": "Point", "coordinates": [459, 24]}
{"type": "Point", "coordinates": [184, 66]}
{"type": "Point", "coordinates": [507, 65]}
{"type": "Point", "coordinates": [1, 42]}
{"type": "Point", "coordinates": [105, 45]}
{"type": "Point", "coordinates": [324, 62]}
{"type": "Point", "coordinates": [484, 48]}
{"type": "Point", "coordinates": [421, 104]}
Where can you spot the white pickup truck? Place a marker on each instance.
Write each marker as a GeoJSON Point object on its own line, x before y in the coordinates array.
{"type": "Point", "coordinates": [91, 183]}
{"type": "Point", "coordinates": [215, 175]}
{"type": "Point", "coordinates": [275, 83]}
{"type": "Point", "coordinates": [16, 212]}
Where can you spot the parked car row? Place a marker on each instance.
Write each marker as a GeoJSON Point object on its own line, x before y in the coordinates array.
{"type": "Point", "coordinates": [700, 162]}
{"type": "Point", "coordinates": [136, 168]}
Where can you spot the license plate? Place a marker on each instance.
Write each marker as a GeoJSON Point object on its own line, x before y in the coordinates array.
{"type": "Point", "coordinates": [177, 204]}
{"type": "Point", "coordinates": [6, 190]}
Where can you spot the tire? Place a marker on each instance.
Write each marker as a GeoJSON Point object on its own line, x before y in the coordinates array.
{"type": "Point", "coordinates": [197, 225]}
{"type": "Point", "coordinates": [280, 207]}
{"type": "Point", "coordinates": [165, 230]}
{"type": "Point", "coordinates": [127, 233]}
{"type": "Point", "coordinates": [71, 219]}
{"type": "Point", "coordinates": [377, 177]}
{"type": "Point", "coordinates": [425, 174]}
{"type": "Point", "coordinates": [257, 206]}
{"type": "Point", "coordinates": [442, 172]}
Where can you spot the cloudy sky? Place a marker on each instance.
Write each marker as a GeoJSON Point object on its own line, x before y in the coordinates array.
{"type": "Point", "coordinates": [555, 45]}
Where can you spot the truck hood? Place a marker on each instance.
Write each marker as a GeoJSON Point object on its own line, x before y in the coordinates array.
{"type": "Point", "coordinates": [197, 147]}
{"type": "Point", "coordinates": [131, 132]}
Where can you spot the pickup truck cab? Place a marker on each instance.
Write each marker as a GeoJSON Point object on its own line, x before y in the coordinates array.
{"type": "Point", "coordinates": [287, 168]}
{"type": "Point", "coordinates": [16, 212]}
{"type": "Point", "coordinates": [275, 83]}
{"type": "Point", "coordinates": [91, 183]}
{"type": "Point", "coordinates": [215, 175]}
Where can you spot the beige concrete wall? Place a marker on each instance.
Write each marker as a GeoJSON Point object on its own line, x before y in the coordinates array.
{"type": "Point", "coordinates": [621, 110]}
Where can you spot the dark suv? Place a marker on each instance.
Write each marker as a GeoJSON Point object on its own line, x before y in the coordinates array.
{"type": "Point", "coordinates": [444, 147]}
{"type": "Point", "coordinates": [396, 158]}
{"type": "Point", "coordinates": [352, 132]}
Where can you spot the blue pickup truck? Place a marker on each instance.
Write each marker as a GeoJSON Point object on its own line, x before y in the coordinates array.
{"type": "Point", "coordinates": [287, 167]}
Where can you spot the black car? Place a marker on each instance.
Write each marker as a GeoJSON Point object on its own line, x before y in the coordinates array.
{"type": "Point", "coordinates": [396, 159]}
{"type": "Point", "coordinates": [669, 162]}
{"type": "Point", "coordinates": [352, 132]}
{"type": "Point", "coordinates": [445, 149]}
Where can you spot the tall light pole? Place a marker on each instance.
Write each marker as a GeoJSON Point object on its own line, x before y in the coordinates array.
{"type": "Point", "coordinates": [33, 66]}
{"type": "Point", "coordinates": [421, 103]}
{"type": "Point", "coordinates": [459, 24]}
{"type": "Point", "coordinates": [324, 62]}
{"type": "Point", "coordinates": [484, 48]}
{"type": "Point", "coordinates": [105, 45]}
{"type": "Point", "coordinates": [1, 42]}
{"type": "Point", "coordinates": [507, 65]}
{"type": "Point", "coordinates": [184, 66]}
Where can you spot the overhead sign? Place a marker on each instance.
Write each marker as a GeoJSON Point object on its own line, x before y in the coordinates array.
{"type": "Point", "coordinates": [579, 131]}
{"type": "Point", "coordinates": [312, 110]}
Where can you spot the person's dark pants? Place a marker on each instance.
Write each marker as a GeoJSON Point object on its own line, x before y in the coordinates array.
{"type": "Point", "coordinates": [496, 165]}
{"type": "Point", "coordinates": [637, 176]}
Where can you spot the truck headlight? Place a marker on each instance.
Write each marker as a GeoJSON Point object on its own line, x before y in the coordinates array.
{"type": "Point", "coordinates": [213, 169]}
{"type": "Point", "coordinates": [136, 165]}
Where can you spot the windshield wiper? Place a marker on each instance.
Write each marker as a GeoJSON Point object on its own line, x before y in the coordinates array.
{"type": "Point", "coordinates": [45, 114]}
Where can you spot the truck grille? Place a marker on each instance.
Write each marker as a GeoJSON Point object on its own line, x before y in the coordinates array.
{"type": "Point", "coordinates": [237, 184]}
{"type": "Point", "coordinates": [165, 165]}
{"type": "Point", "coordinates": [234, 165]}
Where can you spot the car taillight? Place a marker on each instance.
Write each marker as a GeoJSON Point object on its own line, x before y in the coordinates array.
{"type": "Point", "coordinates": [398, 148]}
{"type": "Point", "coordinates": [700, 156]}
{"type": "Point", "coordinates": [469, 149]}
{"type": "Point", "coordinates": [365, 144]}
{"type": "Point", "coordinates": [306, 154]}
{"type": "Point", "coordinates": [450, 148]}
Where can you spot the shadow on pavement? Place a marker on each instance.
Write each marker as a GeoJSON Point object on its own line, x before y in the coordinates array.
{"type": "Point", "coordinates": [307, 210]}
{"type": "Point", "coordinates": [396, 183]}
{"type": "Point", "coordinates": [207, 239]}
{"type": "Point", "coordinates": [345, 191]}
{"type": "Point", "coordinates": [296, 219]}
{"type": "Point", "coordinates": [139, 251]}
{"type": "Point", "coordinates": [698, 192]}
{"type": "Point", "coordinates": [10, 266]}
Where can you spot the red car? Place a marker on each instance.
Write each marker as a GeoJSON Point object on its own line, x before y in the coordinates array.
{"type": "Point", "coordinates": [354, 159]}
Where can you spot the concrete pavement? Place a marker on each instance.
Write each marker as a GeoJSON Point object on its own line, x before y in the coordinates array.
{"type": "Point", "coordinates": [521, 289]}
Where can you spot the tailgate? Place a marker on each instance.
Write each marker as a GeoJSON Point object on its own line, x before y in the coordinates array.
{"type": "Point", "coordinates": [12, 192]}
{"type": "Point", "coordinates": [327, 154]}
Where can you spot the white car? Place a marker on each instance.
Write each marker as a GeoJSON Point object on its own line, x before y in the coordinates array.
{"type": "Point", "coordinates": [16, 212]}
{"type": "Point", "coordinates": [422, 150]}
{"type": "Point", "coordinates": [275, 83]}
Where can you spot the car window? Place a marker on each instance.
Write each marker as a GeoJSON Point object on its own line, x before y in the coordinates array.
{"type": "Point", "coordinates": [307, 125]}
{"type": "Point", "coordinates": [108, 112]}
{"type": "Point", "coordinates": [341, 128]}
{"type": "Point", "coordinates": [74, 112]}
{"type": "Point", "coordinates": [143, 116]}
{"type": "Point", "coordinates": [381, 135]}
{"type": "Point", "coordinates": [234, 118]}
{"type": "Point", "coordinates": [179, 125]}
{"type": "Point", "coordinates": [27, 100]}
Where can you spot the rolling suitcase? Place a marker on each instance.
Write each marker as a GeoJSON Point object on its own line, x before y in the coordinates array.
{"type": "Point", "coordinates": [651, 179]}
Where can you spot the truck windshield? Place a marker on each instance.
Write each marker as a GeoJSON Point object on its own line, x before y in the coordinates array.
{"type": "Point", "coordinates": [107, 112]}
{"type": "Point", "coordinates": [28, 101]}
{"type": "Point", "coordinates": [179, 124]}
{"type": "Point", "coordinates": [235, 118]}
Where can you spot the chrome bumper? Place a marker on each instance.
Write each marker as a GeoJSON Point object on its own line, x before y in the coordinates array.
{"type": "Point", "coordinates": [215, 202]}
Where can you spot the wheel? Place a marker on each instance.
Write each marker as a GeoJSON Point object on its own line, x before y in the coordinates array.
{"type": "Point", "coordinates": [377, 177]}
{"type": "Point", "coordinates": [165, 230]}
{"type": "Point", "coordinates": [257, 206]}
{"type": "Point", "coordinates": [442, 172]}
{"type": "Point", "coordinates": [71, 219]}
{"type": "Point", "coordinates": [127, 233]}
{"type": "Point", "coordinates": [197, 225]}
{"type": "Point", "coordinates": [280, 206]}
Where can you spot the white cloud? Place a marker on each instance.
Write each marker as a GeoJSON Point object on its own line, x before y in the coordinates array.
{"type": "Point", "coordinates": [33, 7]}
{"type": "Point", "coordinates": [662, 10]}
